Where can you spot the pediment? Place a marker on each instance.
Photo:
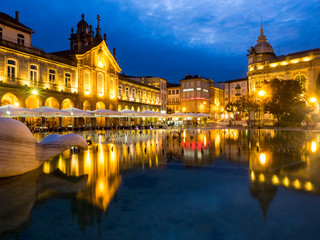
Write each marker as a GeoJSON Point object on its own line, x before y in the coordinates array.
{"type": "Point", "coordinates": [99, 56]}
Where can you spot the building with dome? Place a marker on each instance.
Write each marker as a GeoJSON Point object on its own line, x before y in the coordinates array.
{"type": "Point", "coordinates": [264, 65]}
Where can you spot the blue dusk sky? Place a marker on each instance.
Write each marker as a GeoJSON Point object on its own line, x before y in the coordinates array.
{"type": "Point", "coordinates": [171, 38]}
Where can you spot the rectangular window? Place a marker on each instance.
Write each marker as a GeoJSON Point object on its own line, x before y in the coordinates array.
{"type": "Point", "coordinates": [11, 68]}
{"type": "Point", "coordinates": [52, 76]}
{"type": "Point", "coordinates": [33, 73]}
{"type": "Point", "coordinates": [67, 79]}
{"type": "Point", "coordinates": [20, 39]}
{"type": "Point", "coordinates": [0, 33]}
{"type": "Point", "coordinates": [169, 92]}
{"type": "Point", "coordinates": [177, 91]}
{"type": "Point", "coordinates": [173, 92]}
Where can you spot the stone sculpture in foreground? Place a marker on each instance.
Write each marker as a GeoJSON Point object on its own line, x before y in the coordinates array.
{"type": "Point", "coordinates": [21, 153]}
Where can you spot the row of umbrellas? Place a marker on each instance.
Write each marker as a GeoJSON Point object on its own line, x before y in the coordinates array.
{"type": "Point", "coordinates": [45, 111]}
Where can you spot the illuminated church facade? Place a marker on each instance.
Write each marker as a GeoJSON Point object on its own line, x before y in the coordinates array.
{"type": "Point", "coordinates": [264, 65]}
{"type": "Point", "coordinates": [86, 76]}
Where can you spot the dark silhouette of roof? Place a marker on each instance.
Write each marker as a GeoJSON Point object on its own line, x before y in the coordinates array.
{"type": "Point", "coordinates": [7, 20]}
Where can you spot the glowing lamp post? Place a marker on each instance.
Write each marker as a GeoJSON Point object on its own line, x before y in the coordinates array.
{"type": "Point", "coordinates": [314, 102]}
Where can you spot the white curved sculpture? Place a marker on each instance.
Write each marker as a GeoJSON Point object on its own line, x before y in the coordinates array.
{"type": "Point", "coordinates": [20, 153]}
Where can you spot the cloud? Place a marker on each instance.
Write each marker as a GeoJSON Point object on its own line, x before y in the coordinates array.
{"type": "Point", "coordinates": [214, 24]}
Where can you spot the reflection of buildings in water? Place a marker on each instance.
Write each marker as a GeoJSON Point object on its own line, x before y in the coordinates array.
{"type": "Point", "coordinates": [296, 168]}
{"type": "Point", "coordinates": [264, 192]}
{"type": "Point", "coordinates": [19, 194]}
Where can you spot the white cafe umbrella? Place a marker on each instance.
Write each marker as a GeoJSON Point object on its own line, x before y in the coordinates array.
{"type": "Point", "coordinates": [179, 114]}
{"type": "Point", "coordinates": [150, 113]}
{"type": "Point", "coordinates": [52, 112]}
{"type": "Point", "coordinates": [76, 112]}
{"type": "Point", "coordinates": [128, 112]}
{"type": "Point", "coordinates": [106, 112]}
{"type": "Point", "coordinates": [102, 112]}
{"type": "Point", "coordinates": [15, 111]}
{"type": "Point", "coordinates": [46, 111]}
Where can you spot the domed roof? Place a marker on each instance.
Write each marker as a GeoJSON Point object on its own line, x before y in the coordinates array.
{"type": "Point", "coordinates": [82, 22]}
{"type": "Point", "coordinates": [262, 45]}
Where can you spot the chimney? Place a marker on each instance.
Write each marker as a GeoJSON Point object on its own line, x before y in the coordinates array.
{"type": "Point", "coordinates": [17, 16]}
{"type": "Point", "coordinates": [114, 54]}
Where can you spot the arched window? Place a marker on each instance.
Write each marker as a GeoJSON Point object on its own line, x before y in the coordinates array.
{"type": "Point", "coordinates": [149, 96]}
{"type": "Point", "coordinates": [120, 91]}
{"type": "Point", "coordinates": [33, 73]}
{"type": "Point", "coordinates": [153, 96]}
{"type": "Point", "coordinates": [127, 92]}
{"type": "Point", "coordinates": [133, 93]}
{"type": "Point", "coordinates": [12, 68]}
{"type": "Point", "coordinates": [301, 79]}
{"type": "Point", "coordinates": [100, 84]}
{"type": "Point", "coordinates": [111, 86]}
{"type": "Point", "coordinates": [144, 95]}
{"type": "Point", "coordinates": [139, 94]}
{"type": "Point", "coordinates": [86, 83]}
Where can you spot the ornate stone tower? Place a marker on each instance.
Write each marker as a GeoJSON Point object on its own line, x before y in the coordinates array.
{"type": "Point", "coordinates": [262, 51]}
{"type": "Point", "coordinates": [83, 36]}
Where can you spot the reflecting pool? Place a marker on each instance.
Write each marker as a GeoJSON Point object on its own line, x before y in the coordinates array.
{"type": "Point", "coordinates": [171, 184]}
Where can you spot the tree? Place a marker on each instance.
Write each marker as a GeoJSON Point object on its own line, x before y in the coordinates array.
{"type": "Point", "coordinates": [247, 103]}
{"type": "Point", "coordinates": [286, 100]}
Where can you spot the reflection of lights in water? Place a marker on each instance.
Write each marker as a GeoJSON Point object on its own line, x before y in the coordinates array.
{"type": "Point", "coordinates": [308, 186]}
{"type": "Point", "coordinates": [313, 146]}
{"type": "Point", "coordinates": [74, 165]}
{"type": "Point", "coordinates": [62, 165]}
{"type": "Point", "coordinates": [46, 167]}
{"type": "Point", "coordinates": [217, 140]}
{"type": "Point", "coordinates": [261, 177]}
{"type": "Point", "coordinates": [275, 180]}
{"type": "Point", "coordinates": [286, 181]}
{"type": "Point", "coordinates": [262, 158]}
{"type": "Point", "coordinates": [297, 184]}
{"type": "Point", "coordinates": [100, 139]}
{"type": "Point", "coordinates": [184, 133]}
{"type": "Point", "coordinates": [87, 164]}
{"type": "Point", "coordinates": [253, 177]}
{"type": "Point", "coordinates": [205, 141]}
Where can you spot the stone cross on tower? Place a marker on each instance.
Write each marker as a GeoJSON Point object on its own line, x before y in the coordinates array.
{"type": "Point", "coordinates": [98, 34]}
{"type": "Point", "coordinates": [98, 18]}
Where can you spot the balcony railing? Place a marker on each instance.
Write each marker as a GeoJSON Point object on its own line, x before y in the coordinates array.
{"type": "Point", "coordinates": [16, 82]}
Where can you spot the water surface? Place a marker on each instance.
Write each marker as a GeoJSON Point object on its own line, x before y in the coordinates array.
{"type": "Point", "coordinates": [162, 184]}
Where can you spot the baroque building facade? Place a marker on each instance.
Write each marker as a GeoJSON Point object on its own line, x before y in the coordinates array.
{"type": "Point", "coordinates": [264, 65]}
{"type": "Point", "coordinates": [85, 76]}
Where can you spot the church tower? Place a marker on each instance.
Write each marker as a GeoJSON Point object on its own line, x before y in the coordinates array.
{"type": "Point", "coordinates": [84, 35]}
{"type": "Point", "coordinates": [262, 51]}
